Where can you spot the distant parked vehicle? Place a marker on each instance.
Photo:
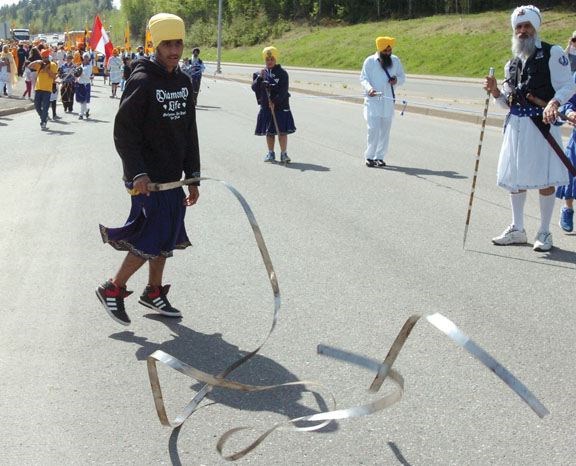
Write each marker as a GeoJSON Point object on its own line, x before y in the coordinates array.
{"type": "Point", "coordinates": [21, 34]}
{"type": "Point", "coordinates": [99, 68]}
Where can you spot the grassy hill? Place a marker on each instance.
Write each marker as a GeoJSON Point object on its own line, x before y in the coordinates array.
{"type": "Point", "coordinates": [440, 45]}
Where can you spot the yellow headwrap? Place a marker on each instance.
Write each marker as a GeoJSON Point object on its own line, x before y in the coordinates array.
{"type": "Point", "coordinates": [166, 26]}
{"type": "Point", "coordinates": [382, 43]}
{"type": "Point", "coordinates": [270, 52]}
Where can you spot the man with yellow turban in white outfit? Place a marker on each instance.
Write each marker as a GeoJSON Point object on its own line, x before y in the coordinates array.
{"type": "Point", "coordinates": [380, 75]}
{"type": "Point", "coordinates": [156, 137]}
{"type": "Point", "coordinates": [537, 82]}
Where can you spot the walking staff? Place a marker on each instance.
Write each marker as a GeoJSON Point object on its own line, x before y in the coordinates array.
{"type": "Point", "coordinates": [477, 164]}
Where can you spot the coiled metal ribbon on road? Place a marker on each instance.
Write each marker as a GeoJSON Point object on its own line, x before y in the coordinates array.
{"type": "Point", "coordinates": [209, 380]}
{"type": "Point", "coordinates": [450, 329]}
{"type": "Point", "coordinates": [383, 370]}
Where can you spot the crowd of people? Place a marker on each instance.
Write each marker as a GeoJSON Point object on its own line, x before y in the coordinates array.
{"type": "Point", "coordinates": [67, 73]}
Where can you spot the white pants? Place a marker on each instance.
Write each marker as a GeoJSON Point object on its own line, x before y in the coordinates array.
{"type": "Point", "coordinates": [84, 107]}
{"type": "Point", "coordinates": [5, 79]}
{"type": "Point", "coordinates": [378, 137]}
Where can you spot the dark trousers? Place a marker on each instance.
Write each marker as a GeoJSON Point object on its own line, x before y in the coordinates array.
{"type": "Point", "coordinates": [196, 87]}
{"type": "Point", "coordinates": [42, 104]}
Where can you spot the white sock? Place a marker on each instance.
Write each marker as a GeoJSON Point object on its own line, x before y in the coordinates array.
{"type": "Point", "coordinates": [518, 200]}
{"type": "Point", "coordinates": [546, 211]}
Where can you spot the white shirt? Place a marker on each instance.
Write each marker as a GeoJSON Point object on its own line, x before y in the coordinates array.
{"type": "Point", "coordinates": [60, 57]}
{"type": "Point", "coordinates": [374, 77]}
{"type": "Point", "coordinates": [115, 69]}
{"type": "Point", "coordinates": [86, 73]}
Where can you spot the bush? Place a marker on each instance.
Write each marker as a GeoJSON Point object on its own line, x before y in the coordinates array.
{"type": "Point", "coordinates": [240, 31]}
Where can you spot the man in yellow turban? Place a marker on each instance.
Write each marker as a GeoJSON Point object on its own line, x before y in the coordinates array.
{"type": "Point", "coordinates": [275, 117]}
{"type": "Point", "coordinates": [381, 73]}
{"type": "Point", "coordinates": [156, 137]}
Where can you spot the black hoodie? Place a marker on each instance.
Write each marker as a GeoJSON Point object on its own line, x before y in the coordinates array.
{"type": "Point", "coordinates": [276, 82]}
{"type": "Point", "coordinates": [155, 128]}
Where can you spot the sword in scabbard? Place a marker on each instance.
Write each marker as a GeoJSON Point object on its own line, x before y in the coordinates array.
{"type": "Point", "coordinates": [545, 130]}
{"type": "Point", "coordinates": [273, 111]}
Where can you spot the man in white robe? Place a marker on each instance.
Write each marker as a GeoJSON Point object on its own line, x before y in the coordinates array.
{"type": "Point", "coordinates": [538, 81]}
{"type": "Point", "coordinates": [380, 75]}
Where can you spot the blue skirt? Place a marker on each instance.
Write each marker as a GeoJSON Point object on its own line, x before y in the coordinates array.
{"type": "Point", "coordinates": [83, 93]}
{"type": "Point", "coordinates": [569, 191]}
{"type": "Point", "coordinates": [155, 226]}
{"type": "Point", "coordinates": [265, 122]}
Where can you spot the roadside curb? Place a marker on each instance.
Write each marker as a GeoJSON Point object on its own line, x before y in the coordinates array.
{"type": "Point", "coordinates": [423, 77]}
{"type": "Point", "coordinates": [13, 110]}
{"type": "Point", "coordinates": [452, 115]}
{"type": "Point", "coordinates": [494, 121]}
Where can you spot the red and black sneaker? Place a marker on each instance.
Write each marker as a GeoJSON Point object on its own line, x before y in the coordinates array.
{"type": "Point", "coordinates": [112, 298]}
{"type": "Point", "coordinates": [155, 298]}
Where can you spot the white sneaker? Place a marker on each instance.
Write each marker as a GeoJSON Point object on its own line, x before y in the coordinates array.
{"type": "Point", "coordinates": [510, 236]}
{"type": "Point", "coordinates": [543, 241]}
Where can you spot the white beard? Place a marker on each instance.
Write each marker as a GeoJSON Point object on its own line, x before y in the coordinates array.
{"type": "Point", "coordinates": [523, 48]}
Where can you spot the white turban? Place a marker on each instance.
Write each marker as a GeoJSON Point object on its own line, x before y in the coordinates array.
{"type": "Point", "coordinates": [526, 14]}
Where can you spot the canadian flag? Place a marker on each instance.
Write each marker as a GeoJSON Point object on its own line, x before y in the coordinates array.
{"type": "Point", "coordinates": [99, 40]}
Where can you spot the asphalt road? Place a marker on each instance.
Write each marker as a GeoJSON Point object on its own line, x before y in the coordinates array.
{"type": "Point", "coordinates": [356, 252]}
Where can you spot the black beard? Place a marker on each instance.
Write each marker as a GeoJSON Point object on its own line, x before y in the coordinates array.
{"type": "Point", "coordinates": [385, 60]}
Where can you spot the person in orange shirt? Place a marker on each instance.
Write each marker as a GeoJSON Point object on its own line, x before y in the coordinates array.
{"type": "Point", "coordinates": [47, 72]}
{"type": "Point", "coordinates": [78, 54]}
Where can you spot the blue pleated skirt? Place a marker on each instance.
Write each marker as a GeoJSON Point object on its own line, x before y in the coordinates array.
{"type": "Point", "coordinates": [155, 226]}
{"type": "Point", "coordinates": [82, 93]}
{"type": "Point", "coordinates": [569, 191]}
{"type": "Point", "coordinates": [265, 122]}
